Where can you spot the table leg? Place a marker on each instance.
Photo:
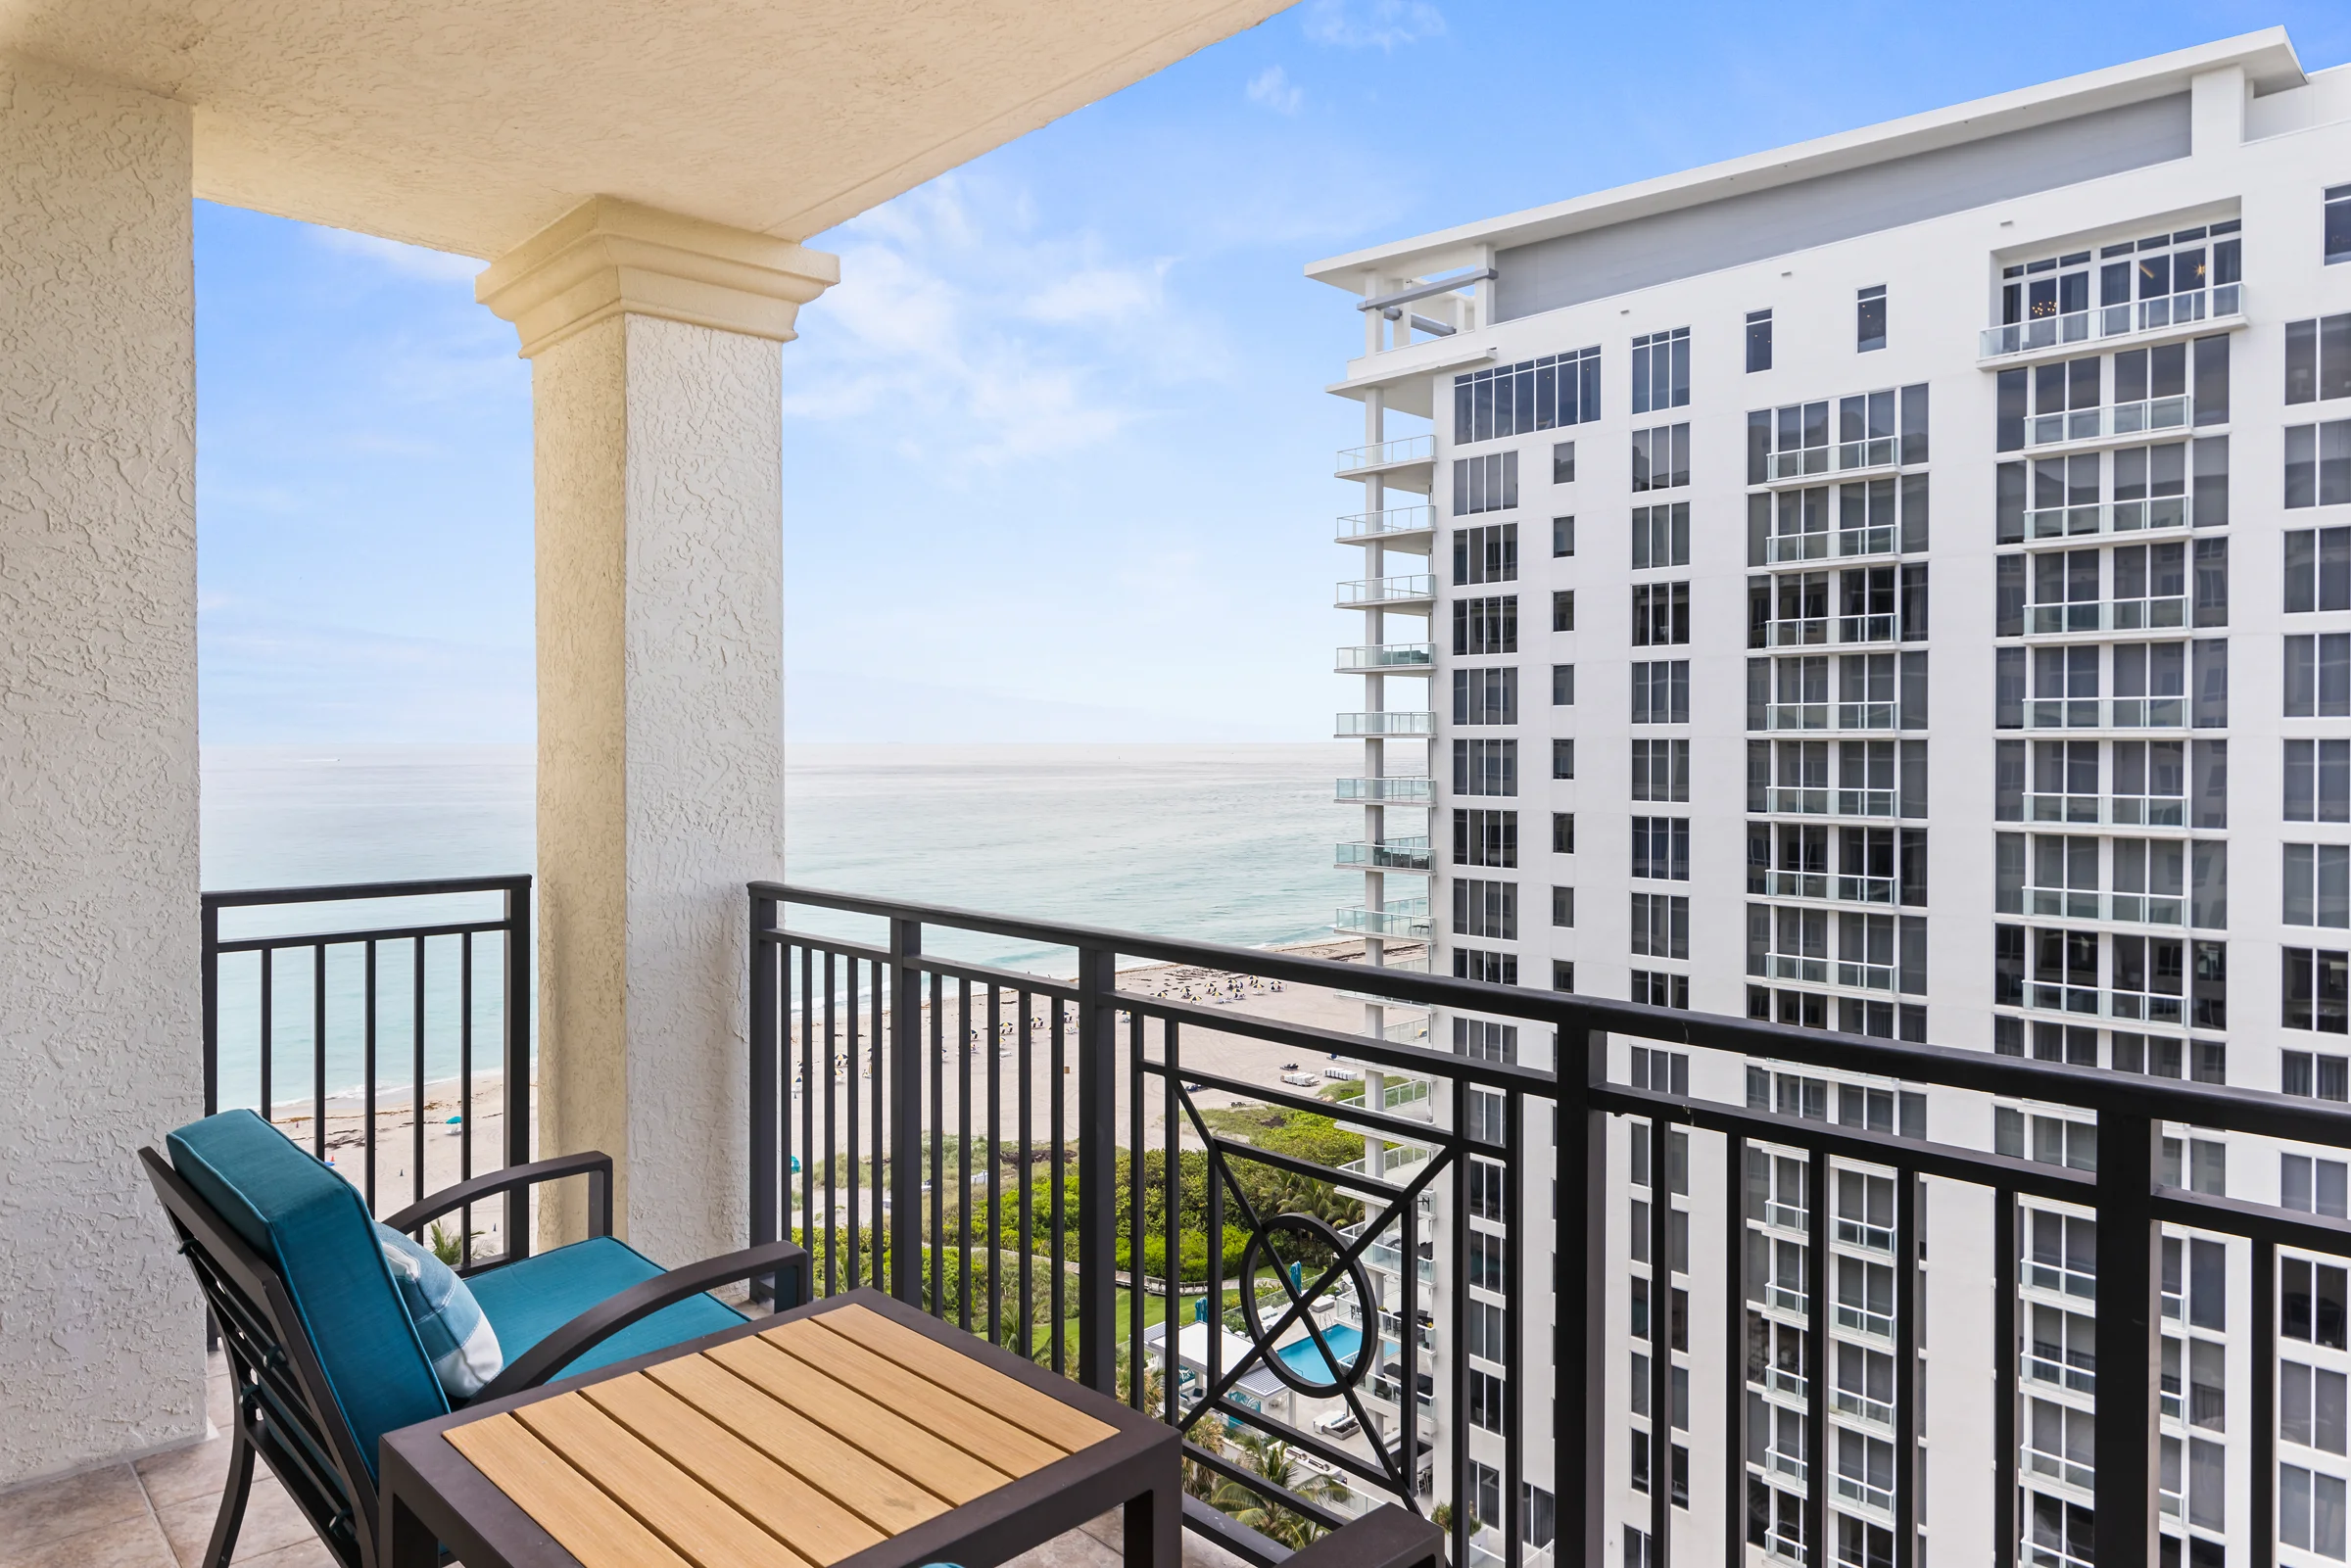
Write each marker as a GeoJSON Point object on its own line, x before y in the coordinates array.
{"type": "Point", "coordinates": [407, 1542]}
{"type": "Point", "coordinates": [1154, 1529]}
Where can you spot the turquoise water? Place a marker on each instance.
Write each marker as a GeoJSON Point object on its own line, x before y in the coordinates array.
{"type": "Point", "coordinates": [1226, 844]}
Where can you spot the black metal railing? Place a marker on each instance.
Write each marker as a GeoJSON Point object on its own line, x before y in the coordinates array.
{"type": "Point", "coordinates": [385, 988]}
{"type": "Point", "coordinates": [899, 1177]}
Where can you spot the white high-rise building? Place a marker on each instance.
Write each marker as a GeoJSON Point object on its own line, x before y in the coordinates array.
{"type": "Point", "coordinates": [1894, 584]}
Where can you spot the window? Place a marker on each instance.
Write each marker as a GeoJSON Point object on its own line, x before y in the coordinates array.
{"type": "Point", "coordinates": [1563, 610]}
{"type": "Point", "coordinates": [1661, 691]}
{"type": "Point", "coordinates": [2318, 569]}
{"type": "Point", "coordinates": [1869, 319]}
{"type": "Point", "coordinates": [1476, 964]}
{"type": "Point", "coordinates": [2318, 359]}
{"type": "Point", "coordinates": [1658, 988]}
{"type": "Point", "coordinates": [1487, 554]}
{"type": "Point", "coordinates": [2318, 884]}
{"type": "Point", "coordinates": [1758, 341]}
{"type": "Point", "coordinates": [2318, 676]}
{"type": "Point", "coordinates": [1661, 847]}
{"type": "Point", "coordinates": [1661, 370]}
{"type": "Point", "coordinates": [1485, 625]}
{"type": "Point", "coordinates": [1562, 833]}
{"type": "Point", "coordinates": [1562, 462]}
{"type": "Point", "coordinates": [1488, 1396]}
{"type": "Point", "coordinates": [1485, 837]}
{"type": "Point", "coordinates": [2338, 225]}
{"type": "Point", "coordinates": [1660, 927]}
{"type": "Point", "coordinates": [1563, 685]}
{"type": "Point", "coordinates": [2316, 992]}
{"type": "Point", "coordinates": [2317, 781]}
{"type": "Point", "coordinates": [1485, 484]}
{"type": "Point", "coordinates": [2312, 1187]}
{"type": "Point", "coordinates": [1485, 766]}
{"type": "Point", "coordinates": [1661, 536]}
{"type": "Point", "coordinates": [2318, 465]}
{"type": "Point", "coordinates": [1487, 1041]}
{"type": "Point", "coordinates": [1512, 400]}
{"type": "Point", "coordinates": [2311, 1302]}
{"type": "Point", "coordinates": [1660, 457]}
{"type": "Point", "coordinates": [1486, 696]}
{"type": "Point", "coordinates": [1562, 536]}
{"type": "Point", "coordinates": [1485, 909]}
{"type": "Point", "coordinates": [1562, 910]}
{"type": "Point", "coordinates": [1661, 613]}
{"type": "Point", "coordinates": [1562, 973]}
{"type": "Point", "coordinates": [2312, 1077]}
{"type": "Point", "coordinates": [1562, 759]}
{"type": "Point", "coordinates": [1660, 770]}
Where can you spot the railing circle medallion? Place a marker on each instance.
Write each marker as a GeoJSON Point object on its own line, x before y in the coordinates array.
{"type": "Point", "coordinates": [1366, 1350]}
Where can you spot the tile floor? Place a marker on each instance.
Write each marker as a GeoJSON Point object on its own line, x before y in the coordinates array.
{"type": "Point", "coordinates": [158, 1513]}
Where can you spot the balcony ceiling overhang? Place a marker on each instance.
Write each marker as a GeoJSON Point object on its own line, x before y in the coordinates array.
{"type": "Point", "coordinates": [468, 126]}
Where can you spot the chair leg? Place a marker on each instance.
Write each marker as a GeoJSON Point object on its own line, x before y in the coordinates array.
{"type": "Point", "coordinates": [232, 1497]}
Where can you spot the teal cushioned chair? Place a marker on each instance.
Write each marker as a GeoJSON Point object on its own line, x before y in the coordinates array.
{"type": "Point", "coordinates": [324, 1358]}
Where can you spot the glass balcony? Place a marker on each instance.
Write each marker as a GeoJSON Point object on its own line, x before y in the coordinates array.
{"type": "Point", "coordinates": [1783, 716]}
{"type": "Point", "coordinates": [1396, 521]}
{"type": "Point", "coordinates": [2164, 313]}
{"type": "Point", "coordinates": [1411, 789]}
{"type": "Point", "coordinates": [1819, 544]}
{"type": "Point", "coordinates": [2106, 615]}
{"type": "Point", "coordinates": [1410, 1031]}
{"type": "Point", "coordinates": [1387, 455]}
{"type": "Point", "coordinates": [2116, 713]}
{"type": "Point", "coordinates": [2095, 811]}
{"type": "Point", "coordinates": [1404, 917]}
{"type": "Point", "coordinates": [2110, 517]}
{"type": "Point", "coordinates": [2132, 907]}
{"type": "Point", "coordinates": [1361, 726]}
{"type": "Point", "coordinates": [1388, 658]}
{"type": "Point", "coordinates": [2148, 417]}
{"type": "Point", "coordinates": [1393, 854]}
{"type": "Point", "coordinates": [1412, 587]}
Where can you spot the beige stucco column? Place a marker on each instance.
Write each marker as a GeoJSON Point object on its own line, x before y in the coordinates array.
{"type": "Point", "coordinates": [656, 381]}
{"type": "Point", "coordinates": [101, 1336]}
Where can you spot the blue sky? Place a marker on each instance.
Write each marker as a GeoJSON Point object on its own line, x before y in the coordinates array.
{"type": "Point", "coordinates": [1057, 457]}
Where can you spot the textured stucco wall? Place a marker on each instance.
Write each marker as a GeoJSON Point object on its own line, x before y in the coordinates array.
{"type": "Point", "coordinates": [661, 755]}
{"type": "Point", "coordinates": [101, 1341]}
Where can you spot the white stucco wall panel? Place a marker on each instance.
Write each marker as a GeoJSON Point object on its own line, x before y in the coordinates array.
{"type": "Point", "coordinates": [100, 1331]}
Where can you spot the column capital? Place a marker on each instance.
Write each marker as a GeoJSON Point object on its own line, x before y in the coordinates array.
{"type": "Point", "coordinates": [608, 256]}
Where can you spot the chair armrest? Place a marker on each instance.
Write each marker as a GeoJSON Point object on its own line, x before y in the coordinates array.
{"type": "Point", "coordinates": [609, 1316]}
{"type": "Point", "coordinates": [1388, 1536]}
{"type": "Point", "coordinates": [596, 1166]}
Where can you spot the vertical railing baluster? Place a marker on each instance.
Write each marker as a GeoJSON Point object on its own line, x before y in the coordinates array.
{"type": "Point", "coordinates": [1059, 1191]}
{"type": "Point", "coordinates": [2264, 1499]}
{"type": "Point", "coordinates": [935, 1271]}
{"type": "Point", "coordinates": [517, 1083]}
{"type": "Point", "coordinates": [1170, 1051]}
{"type": "Point", "coordinates": [268, 1039]}
{"type": "Point", "coordinates": [882, 1130]}
{"type": "Point", "coordinates": [2007, 1528]}
{"type": "Point", "coordinates": [1027, 1315]}
{"type": "Point", "coordinates": [1456, 1328]}
{"type": "Point", "coordinates": [2125, 1431]}
{"type": "Point", "coordinates": [769, 1139]}
{"type": "Point", "coordinates": [1581, 1319]}
{"type": "Point", "coordinates": [318, 1048]}
{"type": "Point", "coordinates": [1660, 1344]}
{"type": "Point", "coordinates": [1097, 1170]}
{"type": "Point", "coordinates": [1513, 1280]}
{"type": "Point", "coordinates": [367, 1122]}
{"type": "Point", "coordinates": [1135, 1212]}
{"type": "Point", "coordinates": [904, 1231]}
{"type": "Point", "coordinates": [210, 917]}
{"type": "Point", "coordinates": [809, 1093]}
{"type": "Point", "coordinates": [994, 1235]}
{"type": "Point", "coordinates": [1816, 1358]}
{"type": "Point", "coordinates": [416, 1094]}
{"type": "Point", "coordinates": [832, 1127]}
{"type": "Point", "coordinates": [852, 1241]}
{"type": "Point", "coordinates": [1734, 1359]}
{"type": "Point", "coordinates": [465, 1091]}
{"type": "Point", "coordinates": [1907, 1373]}
{"type": "Point", "coordinates": [963, 1155]}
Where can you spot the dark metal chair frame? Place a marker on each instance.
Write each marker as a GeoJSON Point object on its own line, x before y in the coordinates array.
{"type": "Point", "coordinates": [285, 1411]}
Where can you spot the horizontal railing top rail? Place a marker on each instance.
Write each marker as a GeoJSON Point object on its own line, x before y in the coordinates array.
{"type": "Point", "coordinates": [2211, 1106]}
{"type": "Point", "coordinates": [355, 892]}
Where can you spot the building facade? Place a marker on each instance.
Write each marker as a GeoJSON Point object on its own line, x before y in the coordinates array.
{"type": "Point", "coordinates": [1893, 585]}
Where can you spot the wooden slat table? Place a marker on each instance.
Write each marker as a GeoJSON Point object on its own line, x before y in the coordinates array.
{"type": "Point", "coordinates": [855, 1431]}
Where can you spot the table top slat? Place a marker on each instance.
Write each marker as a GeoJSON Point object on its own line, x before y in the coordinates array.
{"type": "Point", "coordinates": [865, 1486]}
{"type": "Point", "coordinates": [1065, 1426]}
{"type": "Point", "coordinates": [700, 1526]}
{"type": "Point", "coordinates": [977, 1431]}
{"type": "Point", "coordinates": [910, 1449]}
{"type": "Point", "coordinates": [564, 1503]}
{"type": "Point", "coordinates": [788, 1508]}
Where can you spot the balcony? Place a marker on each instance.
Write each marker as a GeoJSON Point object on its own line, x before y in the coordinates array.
{"type": "Point", "coordinates": [2160, 514]}
{"type": "Point", "coordinates": [2134, 811]}
{"type": "Point", "coordinates": [1826, 543]}
{"type": "Point", "coordinates": [1396, 528]}
{"type": "Point", "coordinates": [1371, 726]}
{"type": "Point", "coordinates": [1821, 716]}
{"type": "Point", "coordinates": [1402, 790]}
{"type": "Point", "coordinates": [2106, 713]}
{"type": "Point", "coordinates": [2079, 617]}
{"type": "Point", "coordinates": [2132, 907]}
{"type": "Point", "coordinates": [2118, 326]}
{"type": "Point", "coordinates": [1388, 658]}
{"type": "Point", "coordinates": [1409, 463]}
{"type": "Point", "coordinates": [1865, 459]}
{"type": "Point", "coordinates": [1794, 800]}
{"type": "Point", "coordinates": [1392, 854]}
{"type": "Point", "coordinates": [1402, 917]}
{"type": "Point", "coordinates": [2112, 422]}
{"type": "Point", "coordinates": [1823, 630]}
{"type": "Point", "coordinates": [1417, 588]}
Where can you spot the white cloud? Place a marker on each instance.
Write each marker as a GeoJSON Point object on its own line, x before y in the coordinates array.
{"type": "Point", "coordinates": [1273, 88]}
{"type": "Point", "coordinates": [409, 261]}
{"type": "Point", "coordinates": [1100, 295]}
{"type": "Point", "coordinates": [1371, 23]}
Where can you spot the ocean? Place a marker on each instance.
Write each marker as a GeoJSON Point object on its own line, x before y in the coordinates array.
{"type": "Point", "coordinates": [1228, 843]}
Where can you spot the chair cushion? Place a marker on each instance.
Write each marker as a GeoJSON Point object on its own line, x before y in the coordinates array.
{"type": "Point", "coordinates": [315, 1228]}
{"type": "Point", "coordinates": [449, 1321]}
{"type": "Point", "coordinates": [528, 1299]}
